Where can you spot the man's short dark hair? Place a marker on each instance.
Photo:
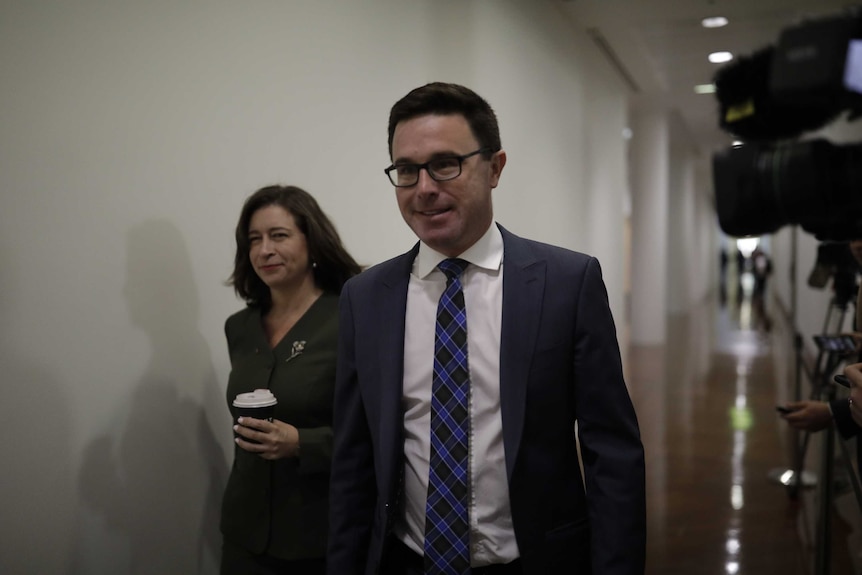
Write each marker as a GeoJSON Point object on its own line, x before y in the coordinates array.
{"type": "Point", "coordinates": [441, 99]}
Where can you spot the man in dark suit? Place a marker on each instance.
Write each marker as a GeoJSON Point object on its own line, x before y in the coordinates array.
{"type": "Point", "coordinates": [542, 354]}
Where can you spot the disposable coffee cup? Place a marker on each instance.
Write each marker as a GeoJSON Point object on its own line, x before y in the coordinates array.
{"type": "Point", "coordinates": [259, 404]}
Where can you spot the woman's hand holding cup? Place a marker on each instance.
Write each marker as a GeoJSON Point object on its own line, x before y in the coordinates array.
{"type": "Point", "coordinates": [270, 439]}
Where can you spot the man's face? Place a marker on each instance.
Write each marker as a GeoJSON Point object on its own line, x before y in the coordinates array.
{"type": "Point", "coordinates": [448, 216]}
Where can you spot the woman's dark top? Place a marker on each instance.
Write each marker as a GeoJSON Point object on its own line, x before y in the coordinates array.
{"type": "Point", "coordinates": [281, 507]}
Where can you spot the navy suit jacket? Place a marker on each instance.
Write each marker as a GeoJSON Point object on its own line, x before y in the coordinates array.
{"type": "Point", "coordinates": [559, 364]}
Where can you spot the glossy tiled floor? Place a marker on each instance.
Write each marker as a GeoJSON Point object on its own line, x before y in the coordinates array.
{"type": "Point", "coordinates": [705, 403]}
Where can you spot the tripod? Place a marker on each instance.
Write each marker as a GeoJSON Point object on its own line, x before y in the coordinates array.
{"type": "Point", "coordinates": [826, 363]}
{"type": "Point", "coordinates": [822, 389]}
{"type": "Point", "coordinates": [829, 358]}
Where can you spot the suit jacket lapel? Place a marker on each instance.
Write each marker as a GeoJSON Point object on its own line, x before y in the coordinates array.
{"type": "Point", "coordinates": [523, 286]}
{"type": "Point", "coordinates": [391, 307]}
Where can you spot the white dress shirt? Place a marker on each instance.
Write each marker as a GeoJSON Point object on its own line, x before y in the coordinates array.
{"type": "Point", "coordinates": [492, 538]}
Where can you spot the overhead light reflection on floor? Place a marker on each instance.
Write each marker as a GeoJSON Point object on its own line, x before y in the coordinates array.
{"type": "Point", "coordinates": [736, 499]}
{"type": "Point", "coordinates": [741, 420]}
{"type": "Point", "coordinates": [732, 543]}
{"type": "Point", "coordinates": [733, 547]}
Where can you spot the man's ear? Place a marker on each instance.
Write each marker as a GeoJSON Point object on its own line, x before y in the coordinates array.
{"type": "Point", "coordinates": [498, 162]}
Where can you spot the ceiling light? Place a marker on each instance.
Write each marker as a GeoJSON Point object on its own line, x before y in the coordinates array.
{"type": "Point", "coordinates": [704, 89]}
{"type": "Point", "coordinates": [720, 57]}
{"type": "Point", "coordinates": [714, 22]}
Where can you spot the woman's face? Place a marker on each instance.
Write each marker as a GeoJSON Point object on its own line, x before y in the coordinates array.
{"type": "Point", "coordinates": [277, 248]}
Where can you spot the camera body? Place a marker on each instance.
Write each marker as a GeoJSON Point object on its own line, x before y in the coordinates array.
{"type": "Point", "coordinates": [808, 79]}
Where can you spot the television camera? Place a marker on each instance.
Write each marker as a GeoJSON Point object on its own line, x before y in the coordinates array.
{"type": "Point", "coordinates": [809, 78]}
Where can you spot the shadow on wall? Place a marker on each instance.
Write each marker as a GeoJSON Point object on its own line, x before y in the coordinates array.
{"type": "Point", "coordinates": [36, 482]}
{"type": "Point", "coordinates": [158, 483]}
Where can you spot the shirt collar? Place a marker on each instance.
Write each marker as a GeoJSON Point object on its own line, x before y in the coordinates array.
{"type": "Point", "coordinates": [486, 253]}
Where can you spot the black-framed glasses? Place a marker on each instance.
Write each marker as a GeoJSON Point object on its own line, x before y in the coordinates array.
{"type": "Point", "coordinates": [440, 169]}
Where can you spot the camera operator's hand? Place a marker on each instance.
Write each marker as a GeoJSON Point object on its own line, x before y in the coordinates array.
{"type": "Point", "coordinates": [854, 374]}
{"type": "Point", "coordinates": [808, 415]}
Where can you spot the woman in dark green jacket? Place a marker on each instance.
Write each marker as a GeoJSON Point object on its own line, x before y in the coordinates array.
{"type": "Point", "coordinates": [290, 266]}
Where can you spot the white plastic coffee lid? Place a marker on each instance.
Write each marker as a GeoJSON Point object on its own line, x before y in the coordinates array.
{"type": "Point", "coordinates": [256, 398]}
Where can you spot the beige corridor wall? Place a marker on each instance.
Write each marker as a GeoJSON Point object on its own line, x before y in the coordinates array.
{"type": "Point", "coordinates": [132, 132]}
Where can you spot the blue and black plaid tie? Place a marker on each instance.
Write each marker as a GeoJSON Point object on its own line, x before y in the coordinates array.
{"type": "Point", "coordinates": [447, 523]}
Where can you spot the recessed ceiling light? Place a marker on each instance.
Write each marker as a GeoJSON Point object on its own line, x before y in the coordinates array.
{"type": "Point", "coordinates": [720, 57]}
{"type": "Point", "coordinates": [704, 89]}
{"type": "Point", "coordinates": [714, 22]}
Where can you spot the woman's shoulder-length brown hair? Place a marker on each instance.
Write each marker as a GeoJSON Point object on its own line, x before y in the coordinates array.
{"type": "Point", "coordinates": [334, 265]}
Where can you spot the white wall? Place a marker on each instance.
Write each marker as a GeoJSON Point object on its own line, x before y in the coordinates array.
{"type": "Point", "coordinates": [651, 167]}
{"type": "Point", "coordinates": [704, 272]}
{"type": "Point", "coordinates": [132, 132]}
{"type": "Point", "coordinates": [682, 231]}
{"type": "Point", "coordinates": [692, 253]}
